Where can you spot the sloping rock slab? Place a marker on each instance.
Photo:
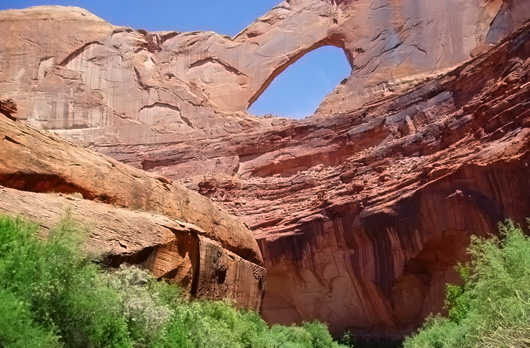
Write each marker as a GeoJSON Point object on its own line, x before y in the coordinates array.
{"type": "Point", "coordinates": [170, 248]}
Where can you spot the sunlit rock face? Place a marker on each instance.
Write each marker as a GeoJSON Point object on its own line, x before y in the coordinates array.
{"type": "Point", "coordinates": [362, 216]}
{"type": "Point", "coordinates": [95, 82]}
{"type": "Point", "coordinates": [360, 211]}
{"type": "Point", "coordinates": [129, 215]}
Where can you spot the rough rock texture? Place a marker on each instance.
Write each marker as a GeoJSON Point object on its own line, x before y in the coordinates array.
{"type": "Point", "coordinates": [8, 108]}
{"type": "Point", "coordinates": [37, 161]}
{"type": "Point", "coordinates": [395, 44]}
{"type": "Point", "coordinates": [170, 248]}
{"type": "Point", "coordinates": [176, 233]}
{"type": "Point", "coordinates": [360, 211]}
{"type": "Point", "coordinates": [361, 216]}
{"type": "Point", "coordinates": [105, 84]}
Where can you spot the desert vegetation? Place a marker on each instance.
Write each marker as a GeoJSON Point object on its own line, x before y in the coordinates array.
{"type": "Point", "coordinates": [491, 308]}
{"type": "Point", "coordinates": [53, 295]}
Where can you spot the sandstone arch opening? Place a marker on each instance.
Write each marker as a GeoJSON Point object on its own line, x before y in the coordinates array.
{"type": "Point", "coordinates": [298, 91]}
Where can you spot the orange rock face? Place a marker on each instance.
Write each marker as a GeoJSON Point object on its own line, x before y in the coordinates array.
{"type": "Point", "coordinates": [102, 84]}
{"type": "Point", "coordinates": [361, 216]}
{"type": "Point", "coordinates": [360, 211]}
{"type": "Point", "coordinates": [130, 216]}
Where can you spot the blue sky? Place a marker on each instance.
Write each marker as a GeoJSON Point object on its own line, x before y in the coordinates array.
{"type": "Point", "coordinates": [296, 93]}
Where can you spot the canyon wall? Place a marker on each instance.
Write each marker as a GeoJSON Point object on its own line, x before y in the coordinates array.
{"type": "Point", "coordinates": [128, 214]}
{"type": "Point", "coordinates": [362, 216]}
{"type": "Point", "coordinates": [360, 211]}
{"type": "Point", "coordinates": [102, 84]}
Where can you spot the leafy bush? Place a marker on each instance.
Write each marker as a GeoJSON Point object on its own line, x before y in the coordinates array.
{"type": "Point", "coordinates": [17, 327]}
{"type": "Point", "coordinates": [145, 312]}
{"type": "Point", "coordinates": [64, 292]}
{"type": "Point", "coordinates": [51, 295]}
{"type": "Point", "coordinates": [369, 341]}
{"type": "Point", "coordinates": [217, 324]}
{"type": "Point", "coordinates": [492, 307]}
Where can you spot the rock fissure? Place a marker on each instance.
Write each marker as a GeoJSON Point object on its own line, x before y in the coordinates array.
{"type": "Point", "coordinates": [218, 61]}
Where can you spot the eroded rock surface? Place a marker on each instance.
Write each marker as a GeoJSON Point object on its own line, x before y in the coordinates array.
{"type": "Point", "coordinates": [131, 216]}
{"type": "Point", "coordinates": [171, 249]}
{"type": "Point", "coordinates": [360, 211]}
{"type": "Point", "coordinates": [361, 216]}
{"type": "Point", "coordinates": [103, 84]}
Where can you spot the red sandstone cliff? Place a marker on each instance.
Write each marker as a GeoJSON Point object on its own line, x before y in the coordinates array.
{"type": "Point", "coordinates": [129, 215]}
{"type": "Point", "coordinates": [360, 211]}
{"type": "Point", "coordinates": [362, 215]}
{"type": "Point", "coordinates": [103, 84]}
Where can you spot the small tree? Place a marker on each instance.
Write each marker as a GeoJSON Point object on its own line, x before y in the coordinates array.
{"type": "Point", "coordinates": [492, 307]}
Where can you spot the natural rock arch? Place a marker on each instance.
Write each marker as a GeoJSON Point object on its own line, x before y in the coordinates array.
{"type": "Point", "coordinates": [206, 77]}
{"type": "Point", "coordinates": [341, 69]}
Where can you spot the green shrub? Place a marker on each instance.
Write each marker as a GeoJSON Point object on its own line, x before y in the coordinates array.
{"type": "Point", "coordinates": [492, 307]}
{"type": "Point", "coordinates": [63, 290]}
{"type": "Point", "coordinates": [52, 295]}
{"type": "Point", "coordinates": [17, 327]}
{"type": "Point", "coordinates": [320, 337]}
{"type": "Point", "coordinates": [140, 304]}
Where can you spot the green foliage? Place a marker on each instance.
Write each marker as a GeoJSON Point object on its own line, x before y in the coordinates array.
{"type": "Point", "coordinates": [217, 324]}
{"type": "Point", "coordinates": [319, 334]}
{"type": "Point", "coordinates": [51, 295]}
{"type": "Point", "coordinates": [17, 327]}
{"type": "Point", "coordinates": [457, 297]}
{"type": "Point", "coordinates": [145, 311]}
{"type": "Point", "coordinates": [492, 307]}
{"type": "Point", "coordinates": [350, 340]}
{"type": "Point", "coordinates": [64, 292]}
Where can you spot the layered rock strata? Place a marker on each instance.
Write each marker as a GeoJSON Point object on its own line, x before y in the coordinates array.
{"type": "Point", "coordinates": [129, 215]}
{"type": "Point", "coordinates": [362, 215]}
{"type": "Point", "coordinates": [361, 211]}
{"type": "Point", "coordinates": [102, 84]}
